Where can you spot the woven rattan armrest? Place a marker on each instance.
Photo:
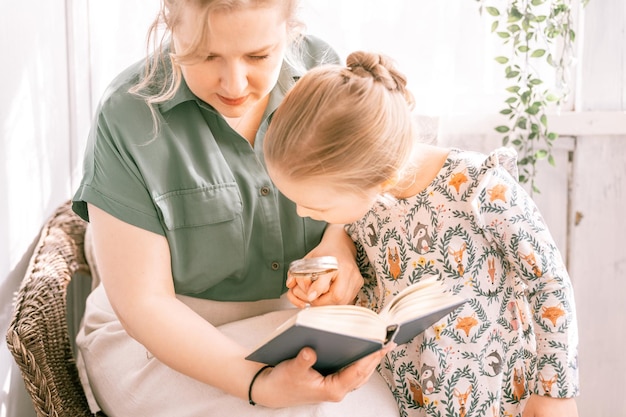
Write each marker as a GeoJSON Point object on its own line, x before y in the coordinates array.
{"type": "Point", "coordinates": [38, 335]}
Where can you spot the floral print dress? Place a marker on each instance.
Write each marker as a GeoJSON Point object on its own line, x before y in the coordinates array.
{"type": "Point", "coordinates": [479, 232]}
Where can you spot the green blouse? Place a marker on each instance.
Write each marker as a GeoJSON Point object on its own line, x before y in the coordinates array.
{"type": "Point", "coordinates": [200, 184]}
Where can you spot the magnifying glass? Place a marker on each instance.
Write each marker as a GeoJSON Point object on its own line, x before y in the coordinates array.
{"type": "Point", "coordinates": [313, 268]}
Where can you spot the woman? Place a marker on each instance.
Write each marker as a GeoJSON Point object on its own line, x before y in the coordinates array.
{"type": "Point", "coordinates": [189, 232]}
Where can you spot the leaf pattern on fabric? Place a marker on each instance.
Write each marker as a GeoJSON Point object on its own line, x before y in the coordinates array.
{"type": "Point", "coordinates": [479, 231]}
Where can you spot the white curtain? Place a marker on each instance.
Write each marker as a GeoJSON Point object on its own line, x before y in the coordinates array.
{"type": "Point", "coordinates": [446, 48]}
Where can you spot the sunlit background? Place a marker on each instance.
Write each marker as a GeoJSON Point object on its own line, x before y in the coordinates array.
{"type": "Point", "coordinates": [59, 55]}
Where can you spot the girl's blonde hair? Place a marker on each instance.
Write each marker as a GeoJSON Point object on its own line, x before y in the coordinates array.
{"type": "Point", "coordinates": [349, 125]}
{"type": "Point", "coordinates": [157, 85]}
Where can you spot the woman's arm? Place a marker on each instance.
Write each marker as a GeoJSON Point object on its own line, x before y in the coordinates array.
{"type": "Point", "coordinates": [136, 273]}
{"type": "Point", "coordinates": [135, 268]}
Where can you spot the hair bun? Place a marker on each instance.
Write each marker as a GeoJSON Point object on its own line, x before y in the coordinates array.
{"type": "Point", "coordinates": [381, 69]}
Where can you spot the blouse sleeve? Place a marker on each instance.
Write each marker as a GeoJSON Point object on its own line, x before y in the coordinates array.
{"type": "Point", "coordinates": [511, 218]}
{"type": "Point", "coordinates": [112, 179]}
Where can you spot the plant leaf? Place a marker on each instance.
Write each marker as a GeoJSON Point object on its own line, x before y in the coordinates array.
{"type": "Point", "coordinates": [493, 11]}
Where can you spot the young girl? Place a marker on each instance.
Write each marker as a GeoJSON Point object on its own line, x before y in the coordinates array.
{"type": "Point", "coordinates": [344, 137]}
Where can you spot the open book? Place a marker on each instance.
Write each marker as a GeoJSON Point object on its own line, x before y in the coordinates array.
{"type": "Point", "coordinates": [342, 334]}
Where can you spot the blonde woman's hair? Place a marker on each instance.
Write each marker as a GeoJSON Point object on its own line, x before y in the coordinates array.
{"type": "Point", "coordinates": [158, 85]}
{"type": "Point", "coordinates": [350, 125]}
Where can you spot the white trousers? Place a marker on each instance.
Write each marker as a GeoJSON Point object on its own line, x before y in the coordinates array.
{"type": "Point", "coordinates": [124, 380]}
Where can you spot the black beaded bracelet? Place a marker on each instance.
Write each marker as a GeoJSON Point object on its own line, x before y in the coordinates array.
{"type": "Point", "coordinates": [252, 383]}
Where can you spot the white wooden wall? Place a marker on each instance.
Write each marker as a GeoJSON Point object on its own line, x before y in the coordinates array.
{"type": "Point", "coordinates": [59, 55]}
{"type": "Point", "coordinates": [597, 227]}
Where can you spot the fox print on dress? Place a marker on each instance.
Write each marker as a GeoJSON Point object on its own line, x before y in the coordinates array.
{"type": "Point", "coordinates": [475, 228]}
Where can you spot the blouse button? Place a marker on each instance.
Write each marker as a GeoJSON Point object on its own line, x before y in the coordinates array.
{"type": "Point", "coordinates": [275, 266]}
{"type": "Point", "coordinates": [265, 190]}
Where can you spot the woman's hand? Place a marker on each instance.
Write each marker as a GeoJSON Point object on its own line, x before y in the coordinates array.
{"type": "Point", "coordinates": [339, 288]}
{"type": "Point", "coordinates": [295, 382]}
{"type": "Point", "coordinates": [540, 406]}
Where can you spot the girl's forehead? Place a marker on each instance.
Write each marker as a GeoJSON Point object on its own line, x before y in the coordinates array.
{"type": "Point", "coordinates": [317, 194]}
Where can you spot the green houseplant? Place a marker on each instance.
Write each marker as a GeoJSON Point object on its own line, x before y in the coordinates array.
{"type": "Point", "coordinates": [539, 37]}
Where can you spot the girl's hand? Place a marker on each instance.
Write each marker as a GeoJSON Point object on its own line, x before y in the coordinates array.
{"type": "Point", "coordinates": [301, 291]}
{"type": "Point", "coordinates": [540, 406]}
{"type": "Point", "coordinates": [339, 288]}
{"type": "Point", "coordinates": [295, 382]}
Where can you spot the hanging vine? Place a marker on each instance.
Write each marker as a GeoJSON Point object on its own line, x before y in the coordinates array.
{"type": "Point", "coordinates": [536, 32]}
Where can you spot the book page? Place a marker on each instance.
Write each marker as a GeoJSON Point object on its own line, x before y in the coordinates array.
{"type": "Point", "coordinates": [423, 307]}
{"type": "Point", "coordinates": [425, 288]}
{"type": "Point", "coordinates": [417, 300]}
{"type": "Point", "coordinates": [344, 319]}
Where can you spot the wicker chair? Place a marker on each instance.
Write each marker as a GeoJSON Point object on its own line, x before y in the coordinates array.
{"type": "Point", "coordinates": [38, 335]}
